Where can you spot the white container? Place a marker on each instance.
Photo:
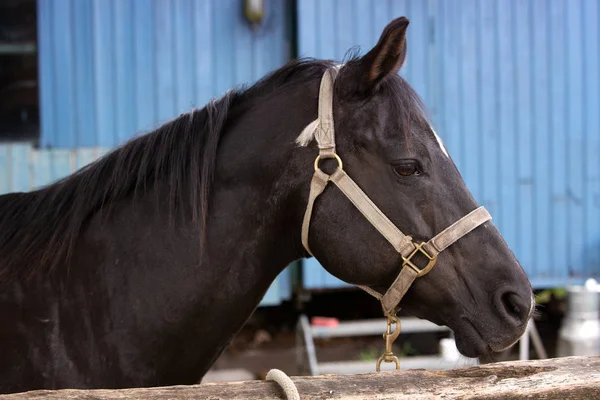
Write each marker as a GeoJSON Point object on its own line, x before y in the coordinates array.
{"type": "Point", "coordinates": [579, 334]}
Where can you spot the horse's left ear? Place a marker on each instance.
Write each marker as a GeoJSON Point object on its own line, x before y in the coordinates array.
{"type": "Point", "coordinates": [386, 58]}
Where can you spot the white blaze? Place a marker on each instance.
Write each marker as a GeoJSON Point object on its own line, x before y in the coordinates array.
{"type": "Point", "coordinates": [439, 140]}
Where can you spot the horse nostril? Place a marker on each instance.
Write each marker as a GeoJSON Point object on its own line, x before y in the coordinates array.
{"type": "Point", "coordinates": [515, 306]}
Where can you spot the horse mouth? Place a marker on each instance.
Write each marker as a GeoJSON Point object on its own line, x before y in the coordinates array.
{"type": "Point", "coordinates": [469, 341]}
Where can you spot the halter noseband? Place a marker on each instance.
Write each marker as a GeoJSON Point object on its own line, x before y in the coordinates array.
{"type": "Point", "coordinates": [324, 134]}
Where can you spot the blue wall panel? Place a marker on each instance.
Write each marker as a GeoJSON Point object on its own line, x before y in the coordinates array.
{"type": "Point", "coordinates": [111, 69]}
{"type": "Point", "coordinates": [513, 87]}
{"type": "Point", "coordinates": [591, 130]}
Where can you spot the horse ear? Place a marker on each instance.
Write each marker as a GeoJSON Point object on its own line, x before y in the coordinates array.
{"type": "Point", "coordinates": [386, 58]}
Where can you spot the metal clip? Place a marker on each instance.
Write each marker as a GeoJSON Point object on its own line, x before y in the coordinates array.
{"type": "Point", "coordinates": [390, 336]}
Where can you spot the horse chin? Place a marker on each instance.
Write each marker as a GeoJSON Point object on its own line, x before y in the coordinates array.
{"type": "Point", "coordinates": [470, 342]}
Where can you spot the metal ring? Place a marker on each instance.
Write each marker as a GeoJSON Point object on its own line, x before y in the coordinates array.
{"type": "Point", "coordinates": [334, 155]}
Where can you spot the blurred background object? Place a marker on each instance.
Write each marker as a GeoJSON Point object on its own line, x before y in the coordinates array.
{"type": "Point", "coordinates": [579, 333]}
{"type": "Point", "coordinates": [19, 100]}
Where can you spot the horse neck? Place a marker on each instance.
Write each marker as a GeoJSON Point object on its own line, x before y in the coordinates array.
{"type": "Point", "coordinates": [262, 176]}
{"type": "Point", "coordinates": [257, 202]}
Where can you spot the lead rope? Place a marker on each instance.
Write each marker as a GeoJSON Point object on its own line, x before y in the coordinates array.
{"type": "Point", "coordinates": [281, 378]}
{"type": "Point", "coordinates": [289, 387]}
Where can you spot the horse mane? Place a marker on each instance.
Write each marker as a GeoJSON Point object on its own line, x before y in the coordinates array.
{"type": "Point", "coordinates": [38, 229]}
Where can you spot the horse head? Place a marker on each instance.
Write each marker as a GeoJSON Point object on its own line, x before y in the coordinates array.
{"type": "Point", "coordinates": [389, 211]}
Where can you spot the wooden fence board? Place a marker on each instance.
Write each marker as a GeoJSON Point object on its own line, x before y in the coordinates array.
{"type": "Point", "coordinates": [560, 378]}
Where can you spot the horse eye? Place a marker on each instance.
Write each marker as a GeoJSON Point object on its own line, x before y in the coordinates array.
{"type": "Point", "coordinates": [407, 168]}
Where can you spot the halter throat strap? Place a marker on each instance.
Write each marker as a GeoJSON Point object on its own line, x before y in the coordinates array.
{"type": "Point", "coordinates": [324, 133]}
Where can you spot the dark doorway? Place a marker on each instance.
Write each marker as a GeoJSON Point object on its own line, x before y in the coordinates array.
{"type": "Point", "coordinates": [19, 93]}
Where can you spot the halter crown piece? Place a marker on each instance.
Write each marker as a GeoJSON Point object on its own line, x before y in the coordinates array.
{"type": "Point", "coordinates": [324, 133]}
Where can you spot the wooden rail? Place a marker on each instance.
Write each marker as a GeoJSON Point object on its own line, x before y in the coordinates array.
{"type": "Point", "coordinates": [560, 378]}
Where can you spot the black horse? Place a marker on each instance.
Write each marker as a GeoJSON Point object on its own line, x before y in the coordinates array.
{"type": "Point", "coordinates": [140, 268]}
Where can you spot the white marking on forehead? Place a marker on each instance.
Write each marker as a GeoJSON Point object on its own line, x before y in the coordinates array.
{"type": "Point", "coordinates": [439, 140]}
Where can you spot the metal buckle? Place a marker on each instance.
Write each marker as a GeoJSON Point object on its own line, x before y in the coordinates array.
{"type": "Point", "coordinates": [389, 336]}
{"type": "Point", "coordinates": [428, 267]}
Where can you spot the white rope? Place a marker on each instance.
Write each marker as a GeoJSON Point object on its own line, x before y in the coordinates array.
{"type": "Point", "coordinates": [289, 388]}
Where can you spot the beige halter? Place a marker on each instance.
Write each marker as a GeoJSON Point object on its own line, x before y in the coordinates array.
{"type": "Point", "coordinates": [325, 137]}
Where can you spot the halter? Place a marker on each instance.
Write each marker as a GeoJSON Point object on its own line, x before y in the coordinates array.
{"type": "Point", "coordinates": [324, 134]}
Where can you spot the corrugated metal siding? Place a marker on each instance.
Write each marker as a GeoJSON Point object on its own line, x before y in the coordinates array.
{"type": "Point", "coordinates": [514, 90]}
{"type": "Point", "coordinates": [23, 168]}
{"type": "Point", "coordinates": [112, 68]}
{"type": "Point", "coordinates": [329, 28]}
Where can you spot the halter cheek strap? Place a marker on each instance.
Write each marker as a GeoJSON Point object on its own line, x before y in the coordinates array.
{"type": "Point", "coordinates": [403, 244]}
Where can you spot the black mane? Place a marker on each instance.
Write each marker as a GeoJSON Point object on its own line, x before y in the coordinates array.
{"type": "Point", "coordinates": [40, 227]}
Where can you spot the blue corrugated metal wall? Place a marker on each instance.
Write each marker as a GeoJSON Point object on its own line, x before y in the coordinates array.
{"type": "Point", "coordinates": [514, 90]}
{"type": "Point", "coordinates": [22, 168]}
{"type": "Point", "coordinates": [112, 68]}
